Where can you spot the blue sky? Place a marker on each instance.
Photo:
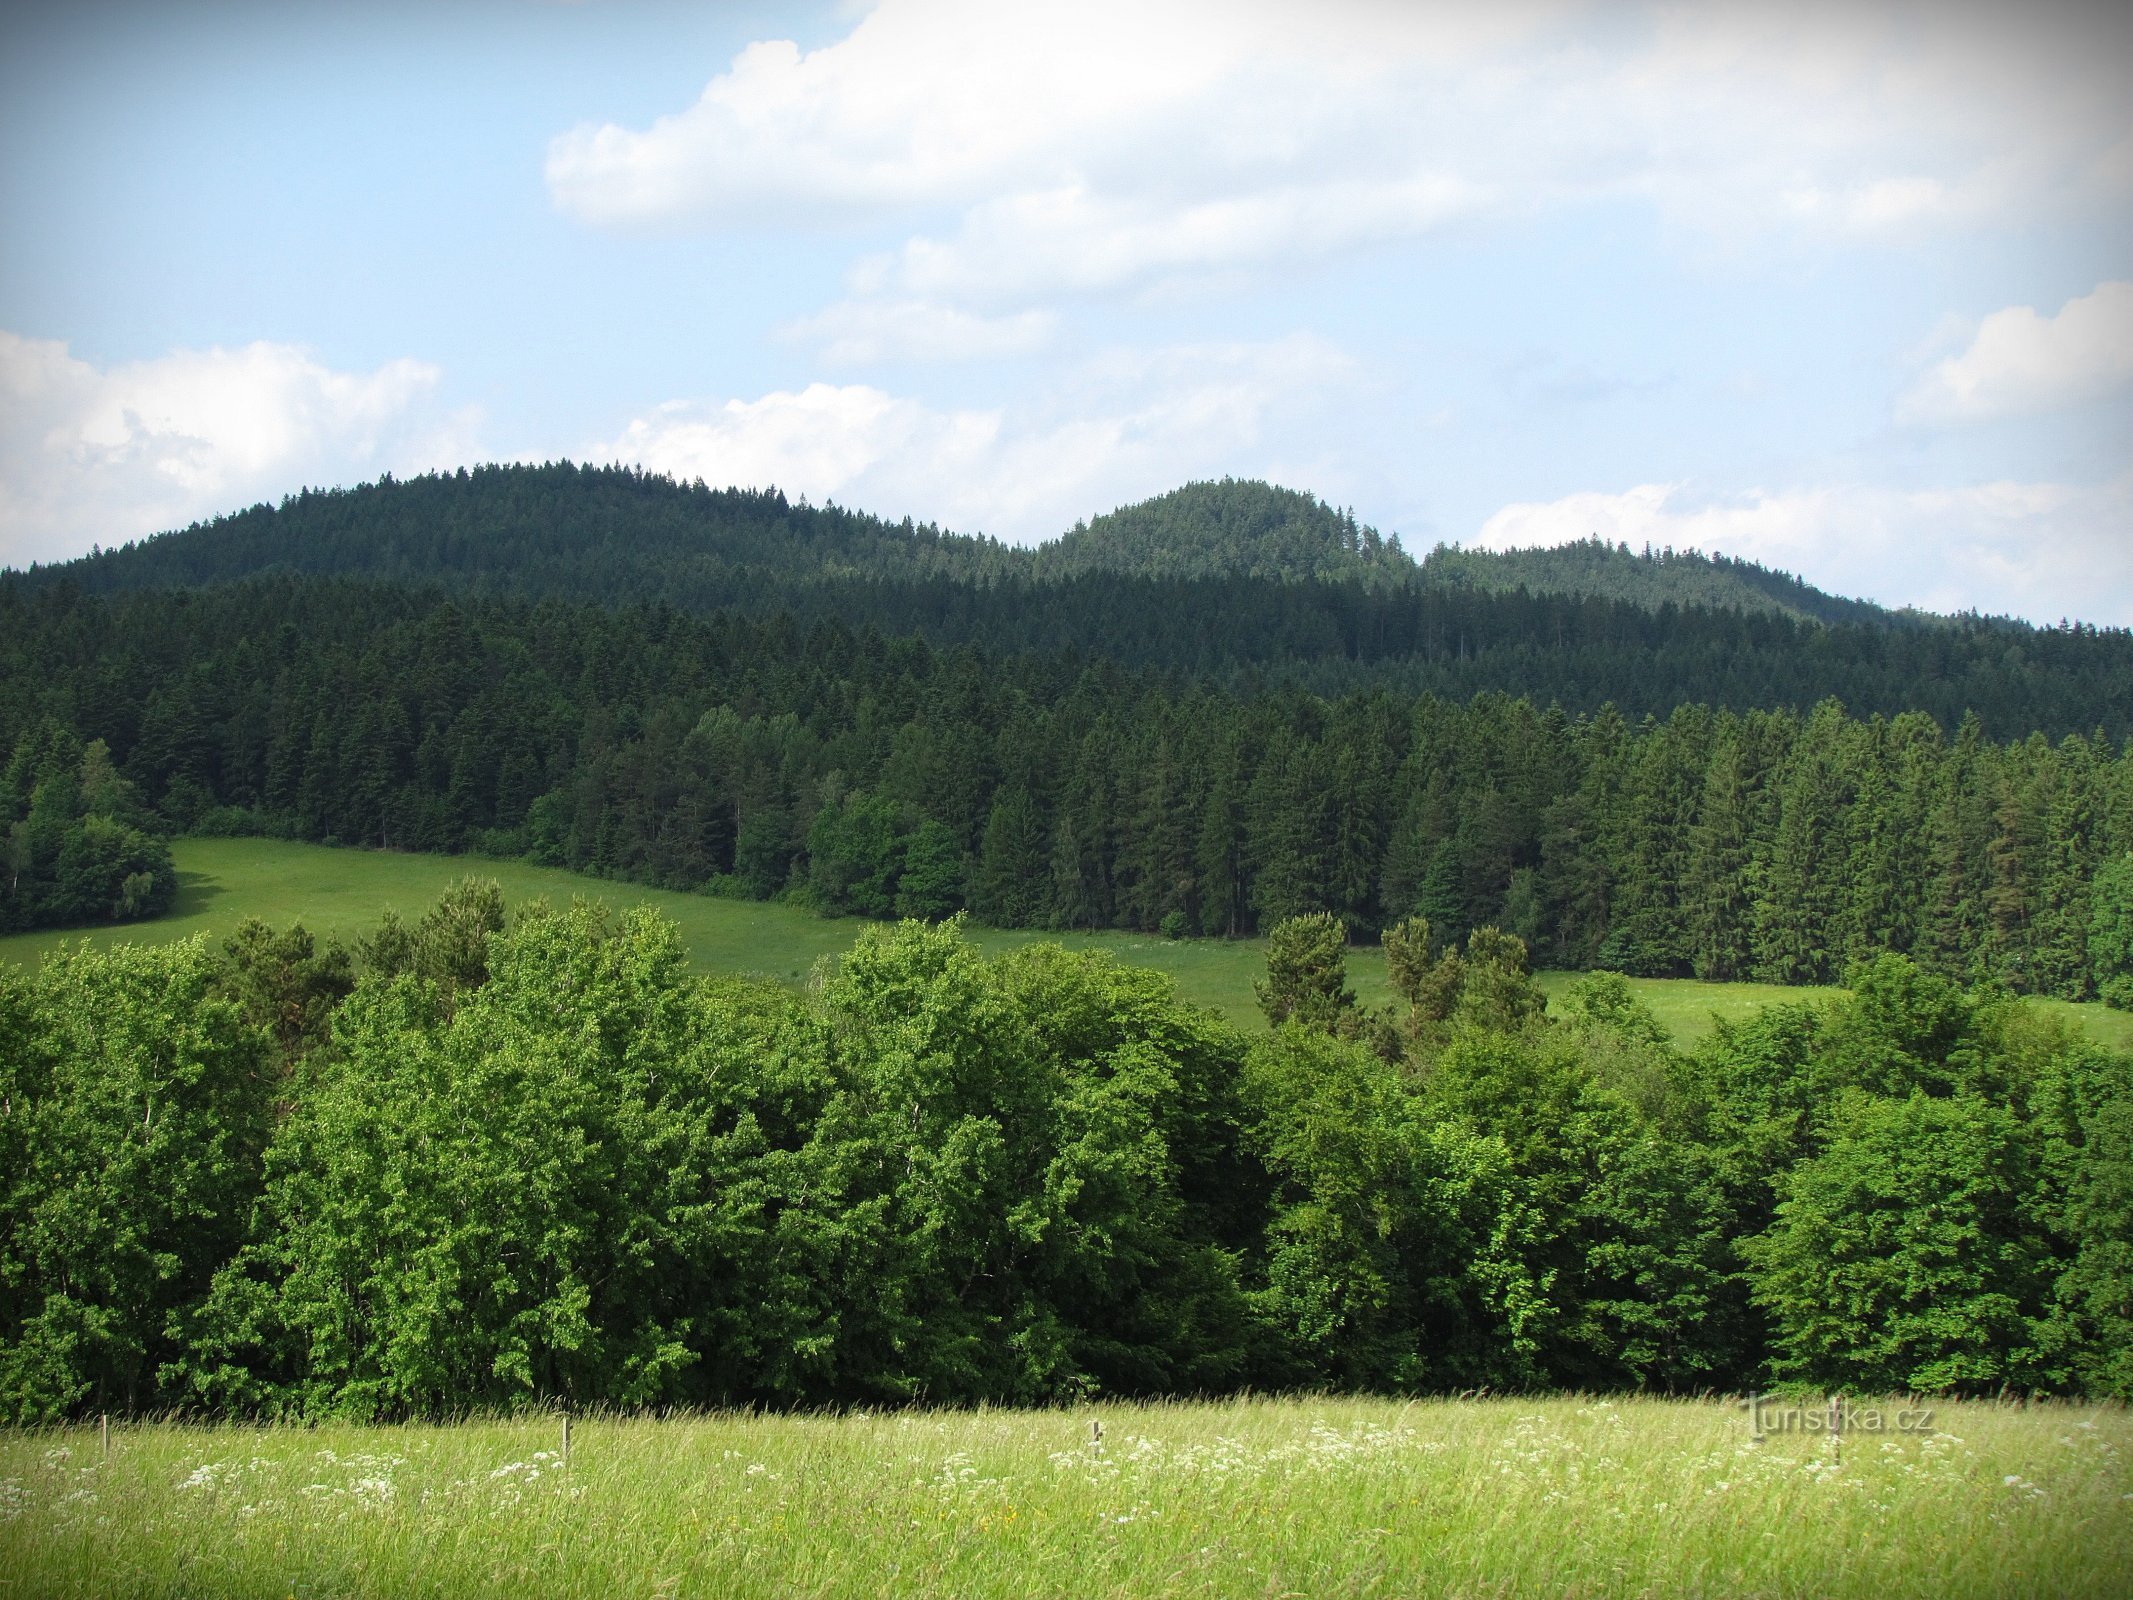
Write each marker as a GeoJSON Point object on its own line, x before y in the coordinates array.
{"type": "Point", "coordinates": [1847, 291]}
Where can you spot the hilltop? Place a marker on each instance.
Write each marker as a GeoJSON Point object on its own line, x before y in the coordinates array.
{"type": "Point", "coordinates": [1230, 528]}
{"type": "Point", "coordinates": [614, 535]}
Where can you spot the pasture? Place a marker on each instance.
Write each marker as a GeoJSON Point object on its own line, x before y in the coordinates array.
{"type": "Point", "coordinates": [1262, 1497]}
{"type": "Point", "coordinates": [342, 892]}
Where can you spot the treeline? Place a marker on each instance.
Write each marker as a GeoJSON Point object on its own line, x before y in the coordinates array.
{"type": "Point", "coordinates": [888, 777]}
{"type": "Point", "coordinates": [491, 1166]}
{"type": "Point", "coordinates": [1237, 583]}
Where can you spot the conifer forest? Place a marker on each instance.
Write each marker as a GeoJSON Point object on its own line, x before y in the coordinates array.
{"type": "Point", "coordinates": [496, 1156]}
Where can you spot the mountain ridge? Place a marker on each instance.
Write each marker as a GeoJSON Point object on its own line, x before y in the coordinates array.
{"type": "Point", "coordinates": [622, 535]}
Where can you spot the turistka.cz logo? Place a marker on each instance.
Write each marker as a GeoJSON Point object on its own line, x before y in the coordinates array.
{"type": "Point", "coordinates": [1769, 1413]}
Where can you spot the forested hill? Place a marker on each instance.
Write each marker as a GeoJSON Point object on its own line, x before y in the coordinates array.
{"type": "Point", "coordinates": [1229, 529]}
{"type": "Point", "coordinates": [607, 535]}
{"type": "Point", "coordinates": [1683, 578]}
{"type": "Point", "coordinates": [878, 775]}
{"type": "Point", "coordinates": [612, 535]}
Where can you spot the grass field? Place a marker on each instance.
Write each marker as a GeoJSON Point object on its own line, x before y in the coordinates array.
{"type": "Point", "coordinates": [1252, 1497]}
{"type": "Point", "coordinates": [343, 892]}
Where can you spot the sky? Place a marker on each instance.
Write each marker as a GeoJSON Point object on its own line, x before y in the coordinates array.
{"type": "Point", "coordinates": [1847, 291]}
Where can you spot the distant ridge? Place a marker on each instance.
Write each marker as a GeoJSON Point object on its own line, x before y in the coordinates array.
{"type": "Point", "coordinates": [1234, 583]}
{"type": "Point", "coordinates": [1653, 578]}
{"type": "Point", "coordinates": [617, 535]}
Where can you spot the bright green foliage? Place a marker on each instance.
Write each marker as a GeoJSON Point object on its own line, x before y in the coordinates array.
{"type": "Point", "coordinates": [1011, 1147]}
{"type": "Point", "coordinates": [136, 1100]}
{"type": "Point", "coordinates": [1604, 1000]}
{"type": "Point", "coordinates": [518, 1163]}
{"type": "Point", "coordinates": [2110, 940]}
{"type": "Point", "coordinates": [2085, 1104]}
{"type": "Point", "coordinates": [1496, 990]}
{"type": "Point", "coordinates": [1906, 1256]}
{"type": "Point", "coordinates": [1633, 1231]}
{"type": "Point", "coordinates": [557, 1189]}
{"type": "Point", "coordinates": [1396, 1253]}
{"type": "Point", "coordinates": [1930, 1187]}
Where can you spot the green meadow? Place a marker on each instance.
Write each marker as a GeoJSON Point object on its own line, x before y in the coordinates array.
{"type": "Point", "coordinates": [1558, 1496]}
{"type": "Point", "coordinates": [340, 893]}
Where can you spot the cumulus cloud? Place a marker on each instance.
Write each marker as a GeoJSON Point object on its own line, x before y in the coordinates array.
{"type": "Point", "coordinates": [2021, 364]}
{"type": "Point", "coordinates": [100, 456]}
{"type": "Point", "coordinates": [1122, 426]}
{"type": "Point", "coordinates": [1086, 145]}
{"type": "Point", "coordinates": [860, 332]}
{"type": "Point", "coordinates": [2045, 551]}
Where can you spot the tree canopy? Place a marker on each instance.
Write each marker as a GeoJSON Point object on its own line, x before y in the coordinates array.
{"type": "Point", "coordinates": [504, 1158]}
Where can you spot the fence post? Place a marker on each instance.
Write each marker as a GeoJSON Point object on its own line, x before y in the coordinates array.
{"type": "Point", "coordinates": [566, 1441]}
{"type": "Point", "coordinates": [103, 1437]}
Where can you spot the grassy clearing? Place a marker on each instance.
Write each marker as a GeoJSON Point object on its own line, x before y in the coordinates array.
{"type": "Point", "coordinates": [1318, 1497]}
{"type": "Point", "coordinates": [343, 892]}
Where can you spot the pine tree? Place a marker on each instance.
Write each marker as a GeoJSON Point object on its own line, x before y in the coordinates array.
{"type": "Point", "coordinates": [1876, 915]}
{"type": "Point", "coordinates": [1951, 935]}
{"type": "Point", "coordinates": [1798, 934]}
{"type": "Point", "coordinates": [1289, 820]}
{"type": "Point", "coordinates": [1218, 854]}
{"type": "Point", "coordinates": [2067, 845]}
{"type": "Point", "coordinates": [1715, 894]}
{"type": "Point", "coordinates": [1012, 889]}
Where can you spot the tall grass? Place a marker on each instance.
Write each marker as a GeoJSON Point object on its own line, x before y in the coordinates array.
{"type": "Point", "coordinates": [1561, 1496]}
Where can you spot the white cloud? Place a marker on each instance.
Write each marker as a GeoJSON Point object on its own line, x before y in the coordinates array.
{"type": "Point", "coordinates": [2044, 551]}
{"type": "Point", "coordinates": [103, 456]}
{"type": "Point", "coordinates": [1077, 145]}
{"type": "Point", "coordinates": [859, 332]}
{"type": "Point", "coordinates": [2020, 363]}
{"type": "Point", "coordinates": [1123, 426]}
{"type": "Point", "coordinates": [1075, 240]}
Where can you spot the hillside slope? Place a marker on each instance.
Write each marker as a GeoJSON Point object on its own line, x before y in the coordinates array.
{"type": "Point", "coordinates": [613, 535]}
{"type": "Point", "coordinates": [610, 535]}
{"type": "Point", "coordinates": [1683, 578]}
{"type": "Point", "coordinates": [1231, 528]}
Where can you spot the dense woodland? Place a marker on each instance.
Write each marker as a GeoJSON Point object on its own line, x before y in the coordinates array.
{"type": "Point", "coordinates": [885, 776]}
{"type": "Point", "coordinates": [1235, 582]}
{"type": "Point", "coordinates": [1204, 714]}
{"type": "Point", "coordinates": [489, 1161]}
{"type": "Point", "coordinates": [81, 847]}
{"type": "Point", "coordinates": [481, 1165]}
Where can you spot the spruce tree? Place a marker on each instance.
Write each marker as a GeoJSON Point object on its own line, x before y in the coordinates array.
{"type": "Point", "coordinates": [1011, 888]}
{"type": "Point", "coordinates": [1715, 894]}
